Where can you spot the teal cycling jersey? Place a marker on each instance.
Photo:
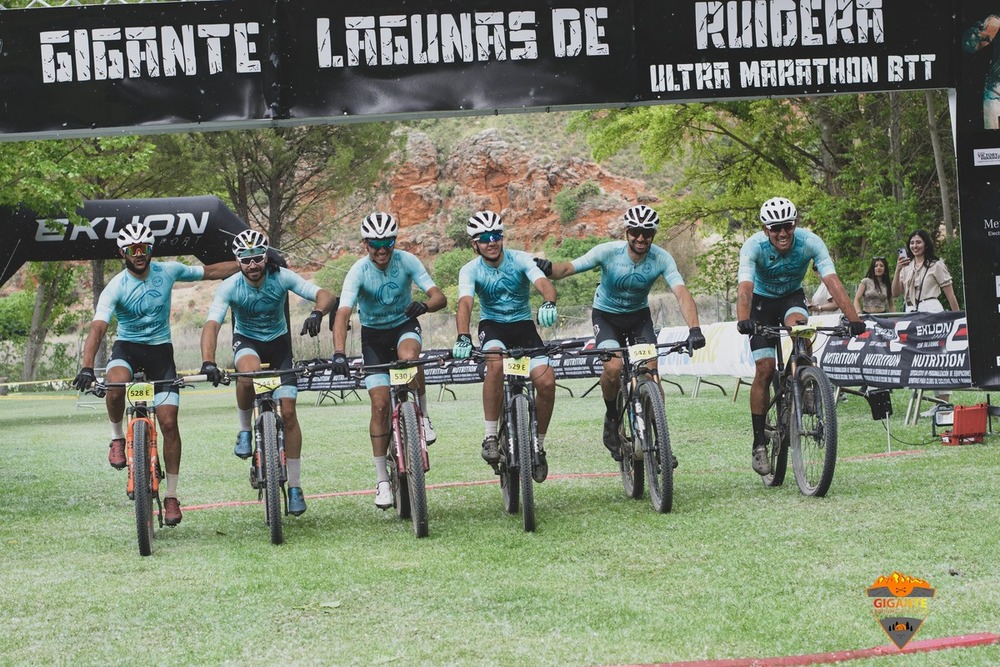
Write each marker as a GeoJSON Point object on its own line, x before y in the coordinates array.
{"type": "Point", "coordinates": [382, 296]}
{"type": "Point", "coordinates": [774, 274]}
{"type": "Point", "coordinates": [625, 285]}
{"type": "Point", "coordinates": [259, 312]}
{"type": "Point", "coordinates": [504, 290]}
{"type": "Point", "coordinates": [142, 306]}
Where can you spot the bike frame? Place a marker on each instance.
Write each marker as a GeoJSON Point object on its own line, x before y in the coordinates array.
{"type": "Point", "coordinates": [400, 392]}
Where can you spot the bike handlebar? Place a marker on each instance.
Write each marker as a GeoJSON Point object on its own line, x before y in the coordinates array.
{"type": "Point", "coordinates": [99, 387]}
{"type": "Point", "coordinates": [309, 369]}
{"type": "Point", "coordinates": [800, 330]}
{"type": "Point", "coordinates": [537, 351]}
{"type": "Point", "coordinates": [669, 348]}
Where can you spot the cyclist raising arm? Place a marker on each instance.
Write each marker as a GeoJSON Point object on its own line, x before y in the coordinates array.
{"type": "Point", "coordinates": [621, 303]}
{"type": "Point", "coordinates": [257, 296]}
{"type": "Point", "coordinates": [380, 284]}
{"type": "Point", "coordinates": [773, 263]}
{"type": "Point", "coordinates": [139, 297]}
{"type": "Point", "coordinates": [502, 279]}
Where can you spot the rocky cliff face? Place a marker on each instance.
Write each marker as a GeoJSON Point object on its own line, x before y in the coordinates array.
{"type": "Point", "coordinates": [491, 171]}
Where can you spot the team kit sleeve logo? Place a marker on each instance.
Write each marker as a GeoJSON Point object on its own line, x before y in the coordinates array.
{"type": "Point", "coordinates": [900, 604]}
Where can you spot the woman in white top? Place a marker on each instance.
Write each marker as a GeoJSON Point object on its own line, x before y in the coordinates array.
{"type": "Point", "coordinates": [921, 277]}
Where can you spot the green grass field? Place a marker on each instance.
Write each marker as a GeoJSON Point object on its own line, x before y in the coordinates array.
{"type": "Point", "coordinates": [736, 570]}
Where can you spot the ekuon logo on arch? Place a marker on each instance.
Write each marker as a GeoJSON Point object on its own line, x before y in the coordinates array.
{"type": "Point", "coordinates": [900, 604]}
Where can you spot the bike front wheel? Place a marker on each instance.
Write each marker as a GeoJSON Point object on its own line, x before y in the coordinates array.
{"type": "Point", "coordinates": [142, 486]}
{"type": "Point", "coordinates": [272, 476]}
{"type": "Point", "coordinates": [521, 420]}
{"type": "Point", "coordinates": [631, 465]}
{"type": "Point", "coordinates": [814, 446]}
{"type": "Point", "coordinates": [509, 479]}
{"type": "Point", "coordinates": [776, 428]}
{"type": "Point", "coordinates": [655, 439]}
{"type": "Point", "coordinates": [410, 436]}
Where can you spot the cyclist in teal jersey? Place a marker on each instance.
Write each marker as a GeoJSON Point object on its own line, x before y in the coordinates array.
{"type": "Point", "coordinates": [773, 263]}
{"type": "Point", "coordinates": [621, 303]}
{"type": "Point", "coordinates": [139, 297]}
{"type": "Point", "coordinates": [380, 285]}
{"type": "Point", "coordinates": [502, 279]}
{"type": "Point", "coordinates": [257, 297]}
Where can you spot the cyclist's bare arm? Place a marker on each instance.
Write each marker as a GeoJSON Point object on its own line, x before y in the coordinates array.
{"type": "Point", "coordinates": [209, 340]}
{"type": "Point", "coordinates": [840, 296]}
{"type": "Point", "coordinates": [463, 317]}
{"type": "Point", "coordinates": [686, 302]}
{"type": "Point", "coordinates": [436, 300]}
{"type": "Point", "coordinates": [324, 301]}
{"type": "Point", "coordinates": [97, 330]}
{"type": "Point", "coordinates": [744, 297]}
{"type": "Point", "coordinates": [562, 270]}
{"type": "Point", "coordinates": [340, 323]}
{"type": "Point", "coordinates": [547, 289]}
{"type": "Point", "coordinates": [220, 270]}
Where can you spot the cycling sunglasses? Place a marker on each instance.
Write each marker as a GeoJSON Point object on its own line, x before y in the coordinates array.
{"type": "Point", "coordinates": [381, 244]}
{"type": "Point", "coordinates": [644, 233]}
{"type": "Point", "coordinates": [252, 256]}
{"type": "Point", "coordinates": [138, 250]}
{"type": "Point", "coordinates": [781, 227]}
{"type": "Point", "coordinates": [490, 237]}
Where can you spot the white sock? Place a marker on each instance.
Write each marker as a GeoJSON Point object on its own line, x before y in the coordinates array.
{"type": "Point", "coordinates": [381, 471]}
{"type": "Point", "coordinates": [422, 402]}
{"type": "Point", "coordinates": [244, 417]}
{"type": "Point", "coordinates": [491, 428]}
{"type": "Point", "coordinates": [541, 440]}
{"type": "Point", "coordinates": [294, 472]}
{"type": "Point", "coordinates": [171, 486]}
{"type": "Point", "coordinates": [118, 430]}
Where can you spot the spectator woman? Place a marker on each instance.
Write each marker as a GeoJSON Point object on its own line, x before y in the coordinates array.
{"type": "Point", "coordinates": [874, 295]}
{"type": "Point", "coordinates": [921, 277]}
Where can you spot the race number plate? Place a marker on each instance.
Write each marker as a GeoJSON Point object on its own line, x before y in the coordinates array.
{"type": "Point", "coordinates": [140, 391]}
{"type": "Point", "coordinates": [401, 376]}
{"type": "Point", "coordinates": [265, 384]}
{"type": "Point", "coordinates": [642, 351]}
{"type": "Point", "coordinates": [520, 366]}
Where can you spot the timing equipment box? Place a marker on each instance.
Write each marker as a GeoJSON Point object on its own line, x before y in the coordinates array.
{"type": "Point", "coordinates": [968, 425]}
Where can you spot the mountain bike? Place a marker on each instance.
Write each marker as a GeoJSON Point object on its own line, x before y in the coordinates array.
{"type": "Point", "coordinates": [802, 412]}
{"type": "Point", "coordinates": [407, 458]}
{"type": "Point", "coordinates": [642, 422]}
{"type": "Point", "coordinates": [268, 473]}
{"type": "Point", "coordinates": [142, 456]}
{"type": "Point", "coordinates": [517, 435]}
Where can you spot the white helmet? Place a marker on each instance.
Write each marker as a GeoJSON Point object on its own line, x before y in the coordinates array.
{"type": "Point", "coordinates": [641, 217]}
{"type": "Point", "coordinates": [379, 226]}
{"type": "Point", "coordinates": [778, 210]}
{"type": "Point", "coordinates": [134, 233]}
{"type": "Point", "coordinates": [484, 221]}
{"type": "Point", "coordinates": [249, 239]}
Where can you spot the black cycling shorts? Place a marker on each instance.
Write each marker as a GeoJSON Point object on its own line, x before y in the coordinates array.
{"type": "Point", "coordinates": [277, 354]}
{"type": "Point", "coordinates": [156, 361]}
{"type": "Point", "coordinates": [772, 312]}
{"type": "Point", "coordinates": [511, 334]}
{"type": "Point", "coordinates": [623, 328]}
{"type": "Point", "coordinates": [378, 346]}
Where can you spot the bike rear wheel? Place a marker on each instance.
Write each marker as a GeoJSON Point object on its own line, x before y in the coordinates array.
{"type": "Point", "coordinates": [142, 486]}
{"type": "Point", "coordinates": [521, 419]}
{"type": "Point", "coordinates": [814, 447]}
{"type": "Point", "coordinates": [409, 425]}
{"type": "Point", "coordinates": [631, 465]}
{"type": "Point", "coordinates": [655, 439]}
{"type": "Point", "coordinates": [509, 479]}
{"type": "Point", "coordinates": [776, 429]}
{"type": "Point", "coordinates": [272, 475]}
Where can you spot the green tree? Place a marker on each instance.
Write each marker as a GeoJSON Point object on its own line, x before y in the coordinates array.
{"type": "Point", "coordinates": [717, 273]}
{"type": "Point", "coordinates": [860, 187]}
